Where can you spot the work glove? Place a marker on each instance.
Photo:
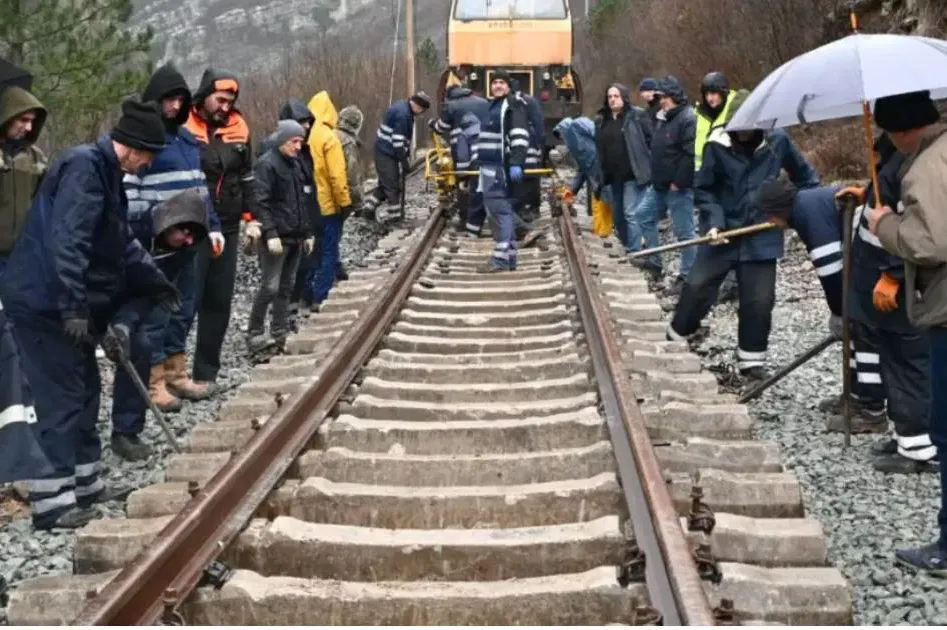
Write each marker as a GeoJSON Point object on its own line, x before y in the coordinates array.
{"type": "Point", "coordinates": [858, 192]}
{"type": "Point", "coordinates": [254, 230]}
{"type": "Point", "coordinates": [217, 243]}
{"type": "Point", "coordinates": [308, 244]}
{"type": "Point", "coordinates": [568, 197]}
{"type": "Point", "coordinates": [117, 342]}
{"type": "Point", "coordinates": [715, 238]}
{"type": "Point", "coordinates": [516, 173]}
{"type": "Point", "coordinates": [77, 329]}
{"type": "Point", "coordinates": [274, 246]}
{"type": "Point", "coordinates": [835, 326]}
{"type": "Point", "coordinates": [885, 295]}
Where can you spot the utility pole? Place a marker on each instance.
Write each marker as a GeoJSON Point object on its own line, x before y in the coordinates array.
{"type": "Point", "coordinates": [409, 57]}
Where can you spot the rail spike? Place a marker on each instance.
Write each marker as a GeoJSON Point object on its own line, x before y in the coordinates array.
{"type": "Point", "coordinates": [723, 614]}
{"type": "Point", "coordinates": [701, 517]}
{"type": "Point", "coordinates": [706, 564]}
{"type": "Point", "coordinates": [633, 564]}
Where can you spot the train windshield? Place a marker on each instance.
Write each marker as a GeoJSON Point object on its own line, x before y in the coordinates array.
{"type": "Point", "coordinates": [510, 9]}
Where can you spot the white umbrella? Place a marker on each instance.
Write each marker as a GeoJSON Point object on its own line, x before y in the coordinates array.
{"type": "Point", "coordinates": [835, 80]}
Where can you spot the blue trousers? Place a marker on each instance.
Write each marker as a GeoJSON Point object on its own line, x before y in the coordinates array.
{"type": "Point", "coordinates": [128, 403]}
{"type": "Point", "coordinates": [500, 205]}
{"type": "Point", "coordinates": [167, 333]}
{"type": "Point", "coordinates": [65, 378]}
{"type": "Point", "coordinates": [937, 417]}
{"type": "Point", "coordinates": [324, 276]}
{"type": "Point", "coordinates": [652, 207]}
{"type": "Point", "coordinates": [624, 198]}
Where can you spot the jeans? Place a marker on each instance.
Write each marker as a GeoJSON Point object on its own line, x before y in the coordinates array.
{"type": "Point", "coordinates": [166, 332]}
{"type": "Point", "coordinates": [653, 205]}
{"type": "Point", "coordinates": [279, 275]}
{"type": "Point", "coordinates": [324, 277]}
{"type": "Point", "coordinates": [757, 292]}
{"type": "Point", "coordinates": [624, 200]}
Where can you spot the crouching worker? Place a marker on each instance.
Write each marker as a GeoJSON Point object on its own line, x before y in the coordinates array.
{"type": "Point", "coordinates": [735, 166]}
{"type": "Point", "coordinates": [281, 182]}
{"type": "Point", "coordinates": [578, 134]}
{"type": "Point", "coordinates": [76, 278]}
{"type": "Point", "coordinates": [176, 226]}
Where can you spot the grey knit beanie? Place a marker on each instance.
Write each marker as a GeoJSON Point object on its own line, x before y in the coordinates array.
{"type": "Point", "coordinates": [286, 130]}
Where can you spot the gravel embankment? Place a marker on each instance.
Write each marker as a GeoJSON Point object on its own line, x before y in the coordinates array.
{"type": "Point", "coordinates": [27, 553]}
{"type": "Point", "coordinates": [866, 515]}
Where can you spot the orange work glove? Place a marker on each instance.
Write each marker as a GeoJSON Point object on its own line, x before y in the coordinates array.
{"type": "Point", "coordinates": [885, 295]}
{"type": "Point", "coordinates": [567, 196]}
{"type": "Point", "coordinates": [852, 191]}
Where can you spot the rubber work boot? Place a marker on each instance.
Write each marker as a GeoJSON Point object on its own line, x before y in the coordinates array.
{"type": "Point", "coordinates": [159, 393]}
{"type": "Point", "coordinates": [897, 464]}
{"type": "Point", "coordinates": [130, 447]}
{"type": "Point", "coordinates": [863, 421]}
{"type": "Point", "coordinates": [178, 383]}
{"type": "Point", "coordinates": [755, 373]}
{"type": "Point", "coordinates": [74, 518]}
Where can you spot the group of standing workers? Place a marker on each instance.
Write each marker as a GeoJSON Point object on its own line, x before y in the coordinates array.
{"type": "Point", "coordinates": [123, 242]}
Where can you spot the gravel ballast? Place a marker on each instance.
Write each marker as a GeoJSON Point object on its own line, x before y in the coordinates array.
{"type": "Point", "coordinates": [27, 553]}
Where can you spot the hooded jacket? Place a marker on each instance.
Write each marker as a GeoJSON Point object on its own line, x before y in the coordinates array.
{"type": "Point", "coordinates": [76, 255]}
{"type": "Point", "coordinates": [226, 156]}
{"type": "Point", "coordinates": [672, 147]}
{"type": "Point", "coordinates": [578, 134]}
{"type": "Point", "coordinates": [636, 130]}
{"type": "Point", "coordinates": [707, 120]}
{"type": "Point", "coordinates": [174, 169]}
{"type": "Point", "coordinates": [295, 109]}
{"type": "Point", "coordinates": [461, 119]}
{"type": "Point", "coordinates": [536, 121]}
{"type": "Point", "coordinates": [22, 165]}
{"type": "Point", "coordinates": [350, 124]}
{"type": "Point", "coordinates": [188, 208]}
{"type": "Point", "coordinates": [328, 158]}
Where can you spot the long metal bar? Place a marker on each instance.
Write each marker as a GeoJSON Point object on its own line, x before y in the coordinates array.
{"type": "Point", "coordinates": [700, 240]}
{"type": "Point", "coordinates": [848, 214]}
{"type": "Point", "coordinates": [789, 368]}
{"type": "Point", "coordinates": [674, 584]}
{"type": "Point", "coordinates": [172, 565]}
{"type": "Point", "coordinates": [143, 392]}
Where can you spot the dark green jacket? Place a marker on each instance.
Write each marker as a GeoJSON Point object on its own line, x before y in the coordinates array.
{"type": "Point", "coordinates": [22, 165]}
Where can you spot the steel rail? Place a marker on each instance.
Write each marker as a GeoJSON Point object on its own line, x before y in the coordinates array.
{"type": "Point", "coordinates": [673, 583]}
{"type": "Point", "coordinates": [162, 575]}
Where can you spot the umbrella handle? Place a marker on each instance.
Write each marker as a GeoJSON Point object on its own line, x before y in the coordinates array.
{"type": "Point", "coordinates": [870, 141]}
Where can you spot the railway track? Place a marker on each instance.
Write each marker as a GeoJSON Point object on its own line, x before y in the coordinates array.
{"type": "Point", "coordinates": [455, 448]}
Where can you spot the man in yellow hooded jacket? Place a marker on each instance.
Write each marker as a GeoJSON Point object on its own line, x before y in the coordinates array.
{"type": "Point", "coordinates": [332, 188]}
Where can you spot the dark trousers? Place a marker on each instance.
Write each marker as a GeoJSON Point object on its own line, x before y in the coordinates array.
{"type": "Point", "coordinates": [900, 363]}
{"type": "Point", "coordinates": [389, 179]}
{"type": "Point", "coordinates": [214, 288]}
{"type": "Point", "coordinates": [279, 275]}
{"type": "Point", "coordinates": [65, 381]}
{"type": "Point", "coordinates": [756, 282]}
{"type": "Point", "coordinates": [937, 418]}
{"type": "Point", "coordinates": [167, 332]}
{"type": "Point", "coordinates": [128, 404]}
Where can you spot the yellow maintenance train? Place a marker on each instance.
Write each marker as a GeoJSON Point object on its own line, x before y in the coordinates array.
{"type": "Point", "coordinates": [531, 38]}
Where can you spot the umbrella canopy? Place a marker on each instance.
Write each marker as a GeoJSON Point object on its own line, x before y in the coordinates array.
{"type": "Point", "coordinates": [832, 81]}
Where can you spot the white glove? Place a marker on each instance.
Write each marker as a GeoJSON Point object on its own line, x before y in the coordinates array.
{"type": "Point", "coordinates": [715, 239]}
{"type": "Point", "coordinates": [835, 326]}
{"type": "Point", "coordinates": [254, 230]}
{"type": "Point", "coordinates": [308, 244]}
{"type": "Point", "coordinates": [217, 243]}
{"type": "Point", "coordinates": [274, 246]}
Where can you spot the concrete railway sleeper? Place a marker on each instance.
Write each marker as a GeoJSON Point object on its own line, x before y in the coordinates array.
{"type": "Point", "coordinates": [470, 470]}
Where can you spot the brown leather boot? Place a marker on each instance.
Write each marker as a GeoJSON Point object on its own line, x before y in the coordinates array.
{"type": "Point", "coordinates": [175, 370]}
{"type": "Point", "coordinates": [159, 394]}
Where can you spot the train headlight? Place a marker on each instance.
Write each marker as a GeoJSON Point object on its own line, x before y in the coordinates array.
{"type": "Point", "coordinates": [473, 76]}
{"type": "Point", "coordinates": [546, 76]}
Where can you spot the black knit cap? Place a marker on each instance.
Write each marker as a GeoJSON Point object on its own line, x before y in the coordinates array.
{"type": "Point", "coordinates": [421, 100]}
{"type": "Point", "coordinates": [140, 127]}
{"type": "Point", "coordinates": [502, 74]}
{"type": "Point", "coordinates": [903, 112]}
{"type": "Point", "coordinates": [777, 198]}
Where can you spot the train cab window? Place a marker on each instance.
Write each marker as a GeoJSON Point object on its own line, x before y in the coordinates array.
{"type": "Point", "coordinates": [507, 9]}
